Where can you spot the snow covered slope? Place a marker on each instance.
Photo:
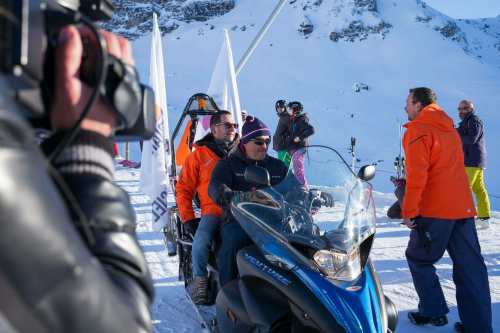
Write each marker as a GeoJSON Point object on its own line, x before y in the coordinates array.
{"type": "Point", "coordinates": [173, 313]}
{"type": "Point", "coordinates": [388, 45]}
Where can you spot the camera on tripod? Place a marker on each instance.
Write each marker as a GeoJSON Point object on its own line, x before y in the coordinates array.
{"type": "Point", "coordinates": [28, 37]}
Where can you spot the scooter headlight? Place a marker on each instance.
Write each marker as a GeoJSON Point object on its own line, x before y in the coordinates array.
{"type": "Point", "coordinates": [339, 266]}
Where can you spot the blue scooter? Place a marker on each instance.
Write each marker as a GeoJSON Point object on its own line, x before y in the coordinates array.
{"type": "Point", "coordinates": [309, 269]}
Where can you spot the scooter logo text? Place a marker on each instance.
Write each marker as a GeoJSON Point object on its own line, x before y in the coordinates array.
{"type": "Point", "coordinates": [266, 270]}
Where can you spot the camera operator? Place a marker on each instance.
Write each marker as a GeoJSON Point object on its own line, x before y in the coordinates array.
{"type": "Point", "coordinates": [60, 272]}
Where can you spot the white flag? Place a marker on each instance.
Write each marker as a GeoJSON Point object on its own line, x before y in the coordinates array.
{"type": "Point", "coordinates": [223, 89]}
{"type": "Point", "coordinates": [156, 160]}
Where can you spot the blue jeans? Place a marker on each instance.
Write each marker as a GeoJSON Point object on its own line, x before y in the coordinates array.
{"type": "Point", "coordinates": [207, 228]}
{"type": "Point", "coordinates": [233, 240]}
{"type": "Point", "coordinates": [459, 238]}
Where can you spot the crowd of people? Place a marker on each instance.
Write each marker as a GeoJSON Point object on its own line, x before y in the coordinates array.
{"type": "Point", "coordinates": [92, 276]}
{"type": "Point", "coordinates": [435, 155]}
{"type": "Point", "coordinates": [215, 171]}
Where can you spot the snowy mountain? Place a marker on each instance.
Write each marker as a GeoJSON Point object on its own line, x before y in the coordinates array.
{"type": "Point", "coordinates": [320, 52]}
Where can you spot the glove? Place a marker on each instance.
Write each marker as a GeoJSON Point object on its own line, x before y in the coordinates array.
{"type": "Point", "coordinates": [228, 196]}
{"type": "Point", "coordinates": [424, 237]}
{"type": "Point", "coordinates": [328, 199]}
{"type": "Point", "coordinates": [298, 196]}
{"type": "Point", "coordinates": [191, 226]}
{"type": "Point", "coordinates": [397, 181]}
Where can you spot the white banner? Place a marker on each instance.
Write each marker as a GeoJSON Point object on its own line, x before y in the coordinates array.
{"type": "Point", "coordinates": [156, 160]}
{"type": "Point", "coordinates": [223, 89]}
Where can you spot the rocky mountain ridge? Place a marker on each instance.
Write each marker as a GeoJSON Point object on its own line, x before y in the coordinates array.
{"type": "Point", "coordinates": [133, 18]}
{"type": "Point", "coordinates": [337, 20]}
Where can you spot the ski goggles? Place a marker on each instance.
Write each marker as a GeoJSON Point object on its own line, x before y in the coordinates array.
{"type": "Point", "coordinates": [228, 125]}
{"type": "Point", "coordinates": [260, 142]}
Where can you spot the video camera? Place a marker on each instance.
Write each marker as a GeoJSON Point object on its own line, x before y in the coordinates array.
{"type": "Point", "coordinates": [28, 37]}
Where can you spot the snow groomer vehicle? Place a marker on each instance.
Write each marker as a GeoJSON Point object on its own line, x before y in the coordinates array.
{"type": "Point", "coordinates": [309, 269]}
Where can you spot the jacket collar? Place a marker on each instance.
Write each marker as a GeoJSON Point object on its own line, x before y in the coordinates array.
{"type": "Point", "coordinates": [208, 142]}
{"type": "Point", "coordinates": [469, 115]}
{"type": "Point", "coordinates": [432, 115]}
{"type": "Point", "coordinates": [241, 154]}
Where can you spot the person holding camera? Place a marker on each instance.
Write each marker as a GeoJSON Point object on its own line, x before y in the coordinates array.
{"type": "Point", "coordinates": [194, 177]}
{"type": "Point", "coordinates": [69, 257]}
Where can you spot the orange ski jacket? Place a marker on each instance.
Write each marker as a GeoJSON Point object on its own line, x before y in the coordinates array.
{"type": "Point", "coordinates": [436, 182]}
{"type": "Point", "coordinates": [195, 175]}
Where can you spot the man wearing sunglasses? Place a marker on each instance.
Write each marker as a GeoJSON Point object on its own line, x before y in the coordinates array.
{"type": "Point", "coordinates": [228, 180]}
{"type": "Point", "coordinates": [472, 134]}
{"type": "Point", "coordinates": [194, 177]}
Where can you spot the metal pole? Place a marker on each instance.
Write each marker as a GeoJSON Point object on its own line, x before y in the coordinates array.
{"type": "Point", "coordinates": [353, 143]}
{"type": "Point", "coordinates": [127, 150]}
{"type": "Point", "coordinates": [259, 36]}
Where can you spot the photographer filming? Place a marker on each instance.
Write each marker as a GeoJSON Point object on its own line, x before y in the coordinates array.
{"type": "Point", "coordinates": [69, 257]}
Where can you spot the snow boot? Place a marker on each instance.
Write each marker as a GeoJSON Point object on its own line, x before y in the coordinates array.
{"type": "Point", "coordinates": [459, 327]}
{"type": "Point", "coordinates": [483, 222]}
{"type": "Point", "coordinates": [417, 319]}
{"type": "Point", "coordinates": [200, 294]}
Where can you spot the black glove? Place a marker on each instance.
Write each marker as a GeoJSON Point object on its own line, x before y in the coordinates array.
{"type": "Point", "coordinates": [228, 196]}
{"type": "Point", "coordinates": [424, 237]}
{"type": "Point", "coordinates": [327, 197]}
{"type": "Point", "coordinates": [191, 226]}
{"type": "Point", "coordinates": [298, 196]}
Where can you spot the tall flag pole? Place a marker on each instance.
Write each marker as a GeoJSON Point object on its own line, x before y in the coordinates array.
{"type": "Point", "coordinates": [156, 161]}
{"type": "Point", "coordinates": [223, 89]}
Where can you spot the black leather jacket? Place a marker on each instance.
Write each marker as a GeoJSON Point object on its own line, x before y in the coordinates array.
{"type": "Point", "coordinates": [52, 278]}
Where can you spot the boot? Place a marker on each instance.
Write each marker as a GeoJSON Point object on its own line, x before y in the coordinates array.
{"type": "Point", "coordinates": [459, 327]}
{"type": "Point", "coordinates": [418, 319]}
{"type": "Point", "coordinates": [483, 222]}
{"type": "Point", "coordinates": [200, 294]}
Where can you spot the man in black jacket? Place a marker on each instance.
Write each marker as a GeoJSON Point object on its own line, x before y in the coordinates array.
{"type": "Point", "coordinates": [471, 132]}
{"type": "Point", "coordinates": [281, 135]}
{"type": "Point", "coordinates": [69, 258]}
{"type": "Point", "coordinates": [228, 179]}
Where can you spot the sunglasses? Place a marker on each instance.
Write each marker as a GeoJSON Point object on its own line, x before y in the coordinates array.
{"type": "Point", "coordinates": [228, 125]}
{"type": "Point", "coordinates": [464, 108]}
{"type": "Point", "coordinates": [260, 142]}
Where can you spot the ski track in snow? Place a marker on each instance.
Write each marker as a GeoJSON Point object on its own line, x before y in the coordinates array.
{"type": "Point", "coordinates": [172, 312]}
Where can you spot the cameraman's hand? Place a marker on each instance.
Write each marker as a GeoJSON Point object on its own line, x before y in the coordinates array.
{"type": "Point", "coordinates": [71, 95]}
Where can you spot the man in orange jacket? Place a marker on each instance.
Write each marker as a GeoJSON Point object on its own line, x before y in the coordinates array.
{"type": "Point", "coordinates": [195, 176]}
{"type": "Point", "coordinates": [439, 208]}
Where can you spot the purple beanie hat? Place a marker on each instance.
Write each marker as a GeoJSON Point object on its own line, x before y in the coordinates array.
{"type": "Point", "coordinates": [253, 128]}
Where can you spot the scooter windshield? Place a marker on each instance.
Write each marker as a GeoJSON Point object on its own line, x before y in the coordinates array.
{"type": "Point", "coordinates": [321, 205]}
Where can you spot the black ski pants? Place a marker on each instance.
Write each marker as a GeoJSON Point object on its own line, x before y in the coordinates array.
{"type": "Point", "coordinates": [459, 238]}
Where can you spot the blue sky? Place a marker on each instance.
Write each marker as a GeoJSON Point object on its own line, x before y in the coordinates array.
{"type": "Point", "coordinates": [467, 8]}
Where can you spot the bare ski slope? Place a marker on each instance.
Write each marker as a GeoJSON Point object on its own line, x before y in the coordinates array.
{"type": "Point", "coordinates": [173, 313]}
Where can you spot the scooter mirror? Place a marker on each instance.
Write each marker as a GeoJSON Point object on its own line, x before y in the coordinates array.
{"type": "Point", "coordinates": [366, 172]}
{"type": "Point", "coordinates": [257, 175]}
